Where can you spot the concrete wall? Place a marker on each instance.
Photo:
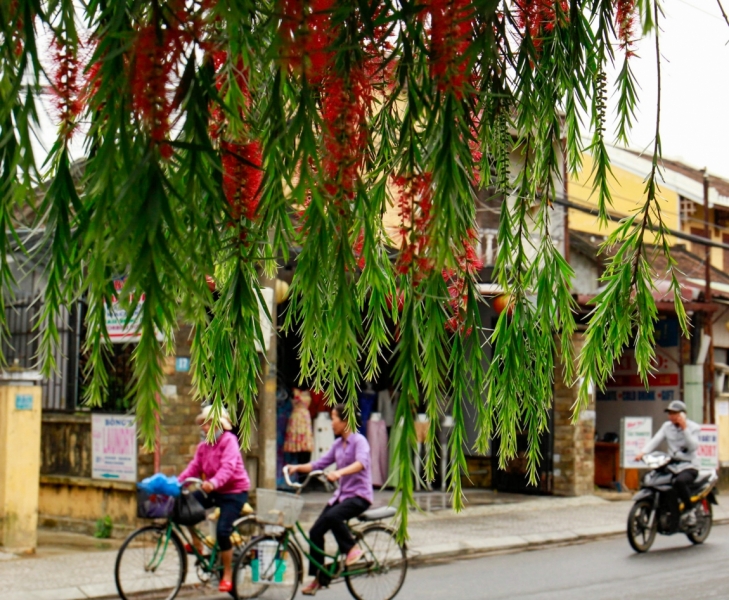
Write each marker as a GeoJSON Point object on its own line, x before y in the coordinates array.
{"type": "Point", "coordinates": [75, 504]}
{"type": "Point", "coordinates": [574, 444]}
{"type": "Point", "coordinates": [20, 429]}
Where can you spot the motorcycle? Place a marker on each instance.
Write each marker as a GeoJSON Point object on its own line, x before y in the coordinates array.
{"type": "Point", "coordinates": [654, 503]}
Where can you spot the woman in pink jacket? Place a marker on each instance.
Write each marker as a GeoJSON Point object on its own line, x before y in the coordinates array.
{"type": "Point", "coordinates": [226, 484]}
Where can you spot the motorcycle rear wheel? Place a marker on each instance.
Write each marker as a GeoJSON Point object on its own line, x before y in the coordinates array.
{"type": "Point", "coordinates": [640, 535]}
{"type": "Point", "coordinates": [699, 535]}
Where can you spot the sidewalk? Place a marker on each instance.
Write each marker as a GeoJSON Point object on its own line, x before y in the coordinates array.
{"type": "Point", "coordinates": [70, 566]}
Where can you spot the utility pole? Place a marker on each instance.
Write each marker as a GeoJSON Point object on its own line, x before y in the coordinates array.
{"type": "Point", "coordinates": [565, 190]}
{"type": "Point", "coordinates": [709, 416]}
{"type": "Point", "coordinates": [267, 402]}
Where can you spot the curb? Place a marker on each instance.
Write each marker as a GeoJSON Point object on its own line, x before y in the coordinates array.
{"type": "Point", "coordinates": [444, 553]}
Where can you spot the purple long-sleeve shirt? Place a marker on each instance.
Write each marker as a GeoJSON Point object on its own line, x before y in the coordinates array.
{"type": "Point", "coordinates": [222, 465]}
{"type": "Point", "coordinates": [359, 484]}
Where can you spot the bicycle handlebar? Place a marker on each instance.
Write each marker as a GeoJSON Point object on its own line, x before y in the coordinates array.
{"type": "Point", "coordinates": [299, 486]}
{"type": "Point", "coordinates": [193, 481]}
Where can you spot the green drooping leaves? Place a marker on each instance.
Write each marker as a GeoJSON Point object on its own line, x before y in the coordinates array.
{"type": "Point", "coordinates": [355, 139]}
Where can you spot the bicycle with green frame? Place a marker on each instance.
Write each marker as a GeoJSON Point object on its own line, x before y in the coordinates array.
{"type": "Point", "coordinates": [152, 563]}
{"type": "Point", "coordinates": [271, 566]}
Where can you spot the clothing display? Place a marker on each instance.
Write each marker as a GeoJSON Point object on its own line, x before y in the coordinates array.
{"type": "Point", "coordinates": [377, 437]}
{"type": "Point", "coordinates": [299, 435]}
{"type": "Point", "coordinates": [393, 476]}
{"type": "Point", "coordinates": [318, 403]}
{"type": "Point", "coordinates": [283, 412]}
{"type": "Point", "coordinates": [323, 435]}
{"type": "Point", "coordinates": [386, 404]}
{"type": "Point", "coordinates": [367, 401]}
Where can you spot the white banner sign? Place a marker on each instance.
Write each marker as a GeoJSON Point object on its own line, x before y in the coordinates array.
{"type": "Point", "coordinates": [121, 332]}
{"type": "Point", "coordinates": [708, 450]}
{"type": "Point", "coordinates": [113, 447]}
{"type": "Point", "coordinates": [634, 435]}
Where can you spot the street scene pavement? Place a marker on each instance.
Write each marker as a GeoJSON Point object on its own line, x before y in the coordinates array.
{"type": "Point", "coordinates": [601, 570]}
{"type": "Point", "coordinates": [70, 567]}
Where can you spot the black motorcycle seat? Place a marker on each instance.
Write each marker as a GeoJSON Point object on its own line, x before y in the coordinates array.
{"type": "Point", "coordinates": [701, 479]}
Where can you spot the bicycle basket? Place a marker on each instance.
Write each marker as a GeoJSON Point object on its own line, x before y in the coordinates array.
{"type": "Point", "coordinates": [154, 506]}
{"type": "Point", "coordinates": [278, 508]}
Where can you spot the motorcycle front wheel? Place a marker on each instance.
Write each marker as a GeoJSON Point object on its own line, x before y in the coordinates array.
{"type": "Point", "coordinates": [641, 532]}
{"type": "Point", "coordinates": [703, 527]}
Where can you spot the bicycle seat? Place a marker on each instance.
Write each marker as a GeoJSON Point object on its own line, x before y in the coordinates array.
{"type": "Point", "coordinates": [376, 514]}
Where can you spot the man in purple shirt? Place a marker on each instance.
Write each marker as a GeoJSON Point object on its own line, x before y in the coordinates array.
{"type": "Point", "coordinates": [351, 453]}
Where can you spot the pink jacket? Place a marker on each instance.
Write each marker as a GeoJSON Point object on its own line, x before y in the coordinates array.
{"type": "Point", "coordinates": [222, 465]}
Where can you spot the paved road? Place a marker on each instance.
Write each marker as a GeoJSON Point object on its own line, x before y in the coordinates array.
{"type": "Point", "coordinates": [603, 570]}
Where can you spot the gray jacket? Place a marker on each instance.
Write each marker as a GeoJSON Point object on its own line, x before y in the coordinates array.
{"type": "Point", "coordinates": [682, 444]}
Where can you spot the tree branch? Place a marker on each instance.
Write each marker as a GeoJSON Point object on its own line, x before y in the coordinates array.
{"type": "Point", "coordinates": [723, 12]}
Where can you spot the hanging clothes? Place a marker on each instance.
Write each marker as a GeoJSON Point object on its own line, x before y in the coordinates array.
{"type": "Point", "coordinates": [367, 402]}
{"type": "Point", "coordinates": [377, 438]}
{"type": "Point", "coordinates": [318, 404]}
{"type": "Point", "coordinates": [299, 435]}
{"type": "Point", "coordinates": [323, 435]}
{"type": "Point", "coordinates": [386, 404]}
{"type": "Point", "coordinates": [283, 412]}
{"type": "Point", "coordinates": [393, 476]}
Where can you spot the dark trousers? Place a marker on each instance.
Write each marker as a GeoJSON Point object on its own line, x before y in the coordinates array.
{"type": "Point", "coordinates": [681, 482]}
{"type": "Point", "coordinates": [334, 518]}
{"type": "Point", "coordinates": [230, 506]}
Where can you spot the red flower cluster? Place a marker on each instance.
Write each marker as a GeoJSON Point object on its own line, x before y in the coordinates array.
{"type": "Point", "coordinates": [358, 248]}
{"type": "Point", "coordinates": [66, 87]}
{"type": "Point", "coordinates": [415, 205]}
{"type": "Point", "coordinates": [625, 20]}
{"type": "Point", "coordinates": [18, 35]}
{"type": "Point", "coordinates": [242, 177]}
{"type": "Point", "coordinates": [468, 264]}
{"type": "Point", "coordinates": [154, 57]}
{"type": "Point", "coordinates": [306, 36]}
{"type": "Point", "coordinates": [345, 103]}
{"type": "Point", "coordinates": [538, 17]}
{"type": "Point", "coordinates": [450, 38]}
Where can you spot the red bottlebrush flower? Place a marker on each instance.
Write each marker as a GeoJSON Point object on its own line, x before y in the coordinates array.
{"type": "Point", "coordinates": [358, 248]}
{"type": "Point", "coordinates": [450, 39]}
{"type": "Point", "coordinates": [344, 111]}
{"type": "Point", "coordinates": [414, 209]}
{"type": "Point", "coordinates": [625, 20]}
{"type": "Point", "coordinates": [242, 177]}
{"type": "Point", "coordinates": [539, 17]}
{"type": "Point", "coordinates": [66, 86]}
{"type": "Point", "coordinates": [156, 52]}
{"type": "Point", "coordinates": [306, 37]}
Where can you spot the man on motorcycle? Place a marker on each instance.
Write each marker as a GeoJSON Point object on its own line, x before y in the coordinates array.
{"type": "Point", "coordinates": [682, 438]}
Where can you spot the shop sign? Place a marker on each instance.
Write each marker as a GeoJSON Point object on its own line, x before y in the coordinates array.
{"type": "Point", "coordinates": [113, 447]}
{"type": "Point", "coordinates": [23, 402]}
{"type": "Point", "coordinates": [625, 385]}
{"type": "Point", "coordinates": [708, 450]}
{"type": "Point", "coordinates": [635, 432]}
{"type": "Point", "coordinates": [120, 331]}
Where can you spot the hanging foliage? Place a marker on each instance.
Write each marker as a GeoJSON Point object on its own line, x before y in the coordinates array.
{"type": "Point", "coordinates": [220, 134]}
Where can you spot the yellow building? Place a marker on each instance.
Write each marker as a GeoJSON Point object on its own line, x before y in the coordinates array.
{"type": "Point", "coordinates": [681, 193]}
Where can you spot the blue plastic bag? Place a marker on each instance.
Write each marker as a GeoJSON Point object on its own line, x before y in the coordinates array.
{"type": "Point", "coordinates": [161, 484]}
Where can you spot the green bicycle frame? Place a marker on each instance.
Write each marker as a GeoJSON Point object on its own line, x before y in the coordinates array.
{"type": "Point", "coordinates": [207, 562]}
{"type": "Point", "coordinates": [334, 568]}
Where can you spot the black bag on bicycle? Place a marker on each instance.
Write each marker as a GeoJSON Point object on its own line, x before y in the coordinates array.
{"type": "Point", "coordinates": [188, 510]}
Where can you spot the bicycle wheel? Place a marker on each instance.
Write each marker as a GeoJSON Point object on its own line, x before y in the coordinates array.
{"type": "Point", "coordinates": [381, 573]}
{"type": "Point", "coordinates": [150, 566]}
{"type": "Point", "coordinates": [265, 570]}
